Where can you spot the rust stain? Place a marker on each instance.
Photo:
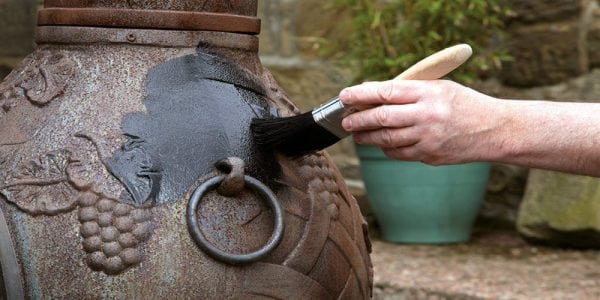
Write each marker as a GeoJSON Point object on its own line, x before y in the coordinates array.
{"type": "Point", "coordinates": [137, 18]}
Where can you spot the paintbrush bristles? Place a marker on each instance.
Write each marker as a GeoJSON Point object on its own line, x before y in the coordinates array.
{"type": "Point", "coordinates": [292, 136]}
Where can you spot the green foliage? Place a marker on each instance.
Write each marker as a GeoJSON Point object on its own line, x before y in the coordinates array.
{"type": "Point", "coordinates": [389, 36]}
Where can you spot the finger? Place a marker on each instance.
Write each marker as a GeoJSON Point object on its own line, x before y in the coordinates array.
{"type": "Point", "coordinates": [389, 137]}
{"type": "Point", "coordinates": [384, 92]}
{"type": "Point", "coordinates": [384, 116]}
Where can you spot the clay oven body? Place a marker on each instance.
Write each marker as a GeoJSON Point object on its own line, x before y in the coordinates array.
{"type": "Point", "coordinates": [112, 123]}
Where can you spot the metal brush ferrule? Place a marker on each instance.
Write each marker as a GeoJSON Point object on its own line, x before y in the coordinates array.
{"type": "Point", "coordinates": [329, 116]}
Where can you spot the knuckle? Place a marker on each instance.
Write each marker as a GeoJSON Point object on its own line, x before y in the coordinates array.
{"type": "Point", "coordinates": [387, 138]}
{"type": "Point", "coordinates": [447, 89]}
{"type": "Point", "coordinates": [440, 87]}
{"type": "Point", "coordinates": [382, 116]}
{"type": "Point", "coordinates": [359, 120]}
{"type": "Point", "coordinates": [440, 113]}
{"type": "Point", "coordinates": [385, 92]}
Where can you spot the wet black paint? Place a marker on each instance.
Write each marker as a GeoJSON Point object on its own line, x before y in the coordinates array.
{"type": "Point", "coordinates": [135, 168]}
{"type": "Point", "coordinates": [199, 109]}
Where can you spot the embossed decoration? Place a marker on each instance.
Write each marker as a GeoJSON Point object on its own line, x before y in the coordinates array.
{"type": "Point", "coordinates": [112, 233]}
{"type": "Point", "coordinates": [39, 82]}
{"type": "Point", "coordinates": [31, 85]}
{"type": "Point", "coordinates": [323, 184]}
{"type": "Point", "coordinates": [9, 98]}
{"type": "Point", "coordinates": [88, 171]}
{"type": "Point", "coordinates": [93, 168]}
{"type": "Point", "coordinates": [47, 81]}
{"type": "Point", "coordinates": [40, 186]}
{"type": "Point", "coordinates": [335, 225]}
{"type": "Point", "coordinates": [134, 167]}
{"type": "Point", "coordinates": [10, 92]}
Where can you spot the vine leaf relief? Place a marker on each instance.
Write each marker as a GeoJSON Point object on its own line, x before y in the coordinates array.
{"type": "Point", "coordinates": [41, 186]}
{"type": "Point", "coordinates": [47, 81]}
{"type": "Point", "coordinates": [131, 165]}
{"type": "Point", "coordinates": [41, 78]}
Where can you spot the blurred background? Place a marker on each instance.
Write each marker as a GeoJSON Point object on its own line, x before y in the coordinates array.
{"type": "Point", "coordinates": [536, 232]}
{"type": "Point", "coordinates": [537, 49]}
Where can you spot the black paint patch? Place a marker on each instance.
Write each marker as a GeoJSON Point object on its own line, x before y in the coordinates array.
{"type": "Point", "coordinates": [137, 170]}
{"type": "Point", "coordinates": [199, 110]}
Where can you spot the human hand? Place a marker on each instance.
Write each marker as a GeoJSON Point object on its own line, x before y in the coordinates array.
{"type": "Point", "coordinates": [435, 122]}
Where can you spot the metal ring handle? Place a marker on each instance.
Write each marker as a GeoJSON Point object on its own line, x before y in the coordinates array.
{"type": "Point", "coordinates": [219, 254]}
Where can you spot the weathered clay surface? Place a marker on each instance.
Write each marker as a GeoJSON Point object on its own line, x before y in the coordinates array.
{"type": "Point", "coordinates": [80, 233]}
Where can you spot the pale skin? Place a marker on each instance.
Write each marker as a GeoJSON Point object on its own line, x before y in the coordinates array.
{"type": "Point", "coordinates": [441, 122]}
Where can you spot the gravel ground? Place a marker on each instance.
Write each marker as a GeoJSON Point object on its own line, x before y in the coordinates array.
{"type": "Point", "coordinates": [492, 266]}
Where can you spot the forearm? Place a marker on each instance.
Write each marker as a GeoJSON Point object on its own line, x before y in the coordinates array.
{"type": "Point", "coordinates": [549, 135]}
{"type": "Point", "coordinates": [441, 122]}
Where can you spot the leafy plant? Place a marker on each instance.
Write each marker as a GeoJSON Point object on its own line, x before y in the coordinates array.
{"type": "Point", "coordinates": [389, 36]}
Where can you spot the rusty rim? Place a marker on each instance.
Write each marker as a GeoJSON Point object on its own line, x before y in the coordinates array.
{"type": "Point", "coordinates": [76, 35]}
{"type": "Point", "coordinates": [149, 19]}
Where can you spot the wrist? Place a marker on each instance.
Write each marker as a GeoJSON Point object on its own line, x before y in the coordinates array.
{"type": "Point", "coordinates": [500, 127]}
{"type": "Point", "coordinates": [525, 132]}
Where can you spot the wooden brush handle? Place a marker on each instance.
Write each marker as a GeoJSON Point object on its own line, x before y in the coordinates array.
{"type": "Point", "coordinates": [437, 65]}
{"type": "Point", "coordinates": [434, 66]}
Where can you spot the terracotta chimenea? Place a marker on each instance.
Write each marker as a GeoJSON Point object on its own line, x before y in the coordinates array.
{"type": "Point", "coordinates": [127, 168]}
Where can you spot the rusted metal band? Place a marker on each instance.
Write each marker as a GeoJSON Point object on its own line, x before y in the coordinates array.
{"type": "Point", "coordinates": [8, 261]}
{"type": "Point", "coordinates": [74, 35]}
{"type": "Point", "coordinates": [149, 19]}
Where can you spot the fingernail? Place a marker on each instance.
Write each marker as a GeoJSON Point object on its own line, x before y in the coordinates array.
{"type": "Point", "coordinates": [347, 124]}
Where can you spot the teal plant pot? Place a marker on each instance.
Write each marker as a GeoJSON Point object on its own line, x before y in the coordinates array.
{"type": "Point", "coordinates": [422, 204]}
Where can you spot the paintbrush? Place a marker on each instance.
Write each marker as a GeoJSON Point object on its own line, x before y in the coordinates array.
{"type": "Point", "coordinates": [322, 127]}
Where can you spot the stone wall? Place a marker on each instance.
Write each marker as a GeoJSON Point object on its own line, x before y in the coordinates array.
{"type": "Point", "coordinates": [555, 44]}
{"type": "Point", "coordinates": [17, 23]}
{"type": "Point", "coordinates": [552, 41]}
